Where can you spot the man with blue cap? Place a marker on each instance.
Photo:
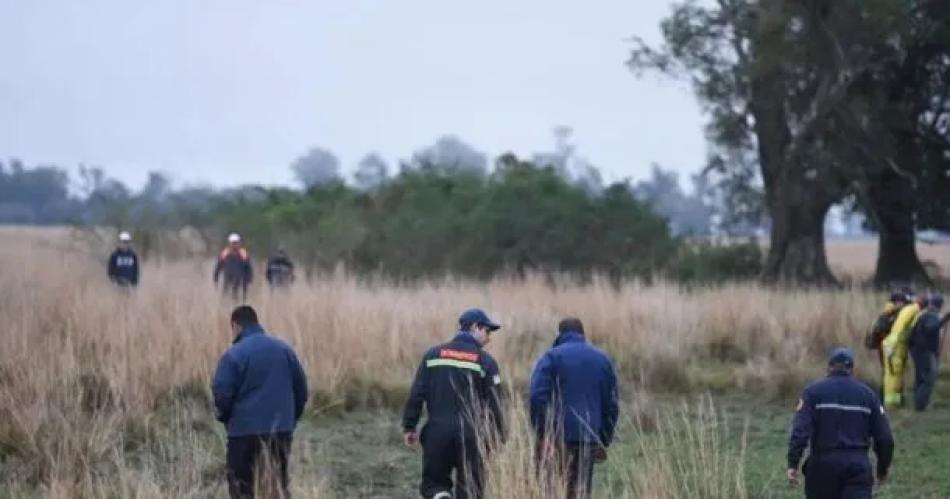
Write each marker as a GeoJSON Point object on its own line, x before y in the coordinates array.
{"type": "Point", "coordinates": [459, 384]}
{"type": "Point", "coordinates": [925, 341]}
{"type": "Point", "coordinates": [838, 418]}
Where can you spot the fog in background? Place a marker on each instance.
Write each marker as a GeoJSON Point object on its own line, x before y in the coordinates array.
{"type": "Point", "coordinates": [227, 92]}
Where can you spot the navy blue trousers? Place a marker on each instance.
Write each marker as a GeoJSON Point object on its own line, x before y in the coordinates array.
{"type": "Point", "coordinates": [447, 448]}
{"type": "Point", "coordinates": [839, 475]}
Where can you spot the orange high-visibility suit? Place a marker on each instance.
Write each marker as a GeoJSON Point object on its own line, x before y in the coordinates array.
{"type": "Point", "coordinates": [894, 349]}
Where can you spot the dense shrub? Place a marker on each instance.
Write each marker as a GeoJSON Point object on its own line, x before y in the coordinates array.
{"type": "Point", "coordinates": [429, 222]}
{"type": "Point", "coordinates": [707, 263]}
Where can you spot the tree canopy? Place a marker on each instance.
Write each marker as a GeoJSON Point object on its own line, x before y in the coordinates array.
{"type": "Point", "coordinates": [821, 100]}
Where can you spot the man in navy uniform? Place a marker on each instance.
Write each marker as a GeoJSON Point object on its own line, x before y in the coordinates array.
{"type": "Point", "coordinates": [280, 270]}
{"type": "Point", "coordinates": [458, 383]}
{"type": "Point", "coordinates": [837, 418]}
{"type": "Point", "coordinates": [925, 340]}
{"type": "Point", "coordinates": [124, 263]}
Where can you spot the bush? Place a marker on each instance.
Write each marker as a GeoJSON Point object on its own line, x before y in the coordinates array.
{"type": "Point", "coordinates": [707, 263]}
{"type": "Point", "coordinates": [430, 222]}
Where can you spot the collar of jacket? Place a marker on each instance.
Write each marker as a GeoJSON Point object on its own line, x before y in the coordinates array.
{"type": "Point", "coordinates": [249, 331]}
{"type": "Point", "coordinates": [839, 372]}
{"type": "Point", "coordinates": [569, 337]}
{"type": "Point", "coordinates": [466, 337]}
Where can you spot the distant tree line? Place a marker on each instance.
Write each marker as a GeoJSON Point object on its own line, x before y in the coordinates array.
{"type": "Point", "coordinates": [446, 212]}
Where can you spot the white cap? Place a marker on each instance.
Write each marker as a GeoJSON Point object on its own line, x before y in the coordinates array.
{"type": "Point", "coordinates": [125, 237]}
{"type": "Point", "coordinates": [234, 238]}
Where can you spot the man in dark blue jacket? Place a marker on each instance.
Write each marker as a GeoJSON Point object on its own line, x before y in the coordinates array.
{"type": "Point", "coordinates": [837, 418]}
{"type": "Point", "coordinates": [260, 391]}
{"type": "Point", "coordinates": [280, 270]}
{"type": "Point", "coordinates": [458, 383]}
{"type": "Point", "coordinates": [925, 340]}
{"type": "Point", "coordinates": [124, 263]}
{"type": "Point", "coordinates": [574, 406]}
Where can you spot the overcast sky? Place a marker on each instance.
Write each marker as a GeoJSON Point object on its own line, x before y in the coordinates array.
{"type": "Point", "coordinates": [232, 91]}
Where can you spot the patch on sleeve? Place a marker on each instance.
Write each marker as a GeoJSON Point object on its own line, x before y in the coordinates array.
{"type": "Point", "coordinates": [447, 353]}
{"type": "Point", "coordinates": [496, 379]}
{"type": "Point", "coordinates": [801, 405]}
{"type": "Point", "coordinates": [882, 410]}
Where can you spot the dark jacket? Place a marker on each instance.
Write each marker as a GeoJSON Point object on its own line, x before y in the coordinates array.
{"type": "Point", "coordinates": [124, 267]}
{"type": "Point", "coordinates": [925, 337]}
{"type": "Point", "coordinates": [259, 386]}
{"type": "Point", "coordinates": [574, 392]}
{"type": "Point", "coordinates": [457, 382]}
{"type": "Point", "coordinates": [840, 414]}
{"type": "Point", "coordinates": [235, 264]}
{"type": "Point", "coordinates": [280, 271]}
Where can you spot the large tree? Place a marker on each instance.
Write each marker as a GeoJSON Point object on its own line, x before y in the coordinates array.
{"type": "Point", "coordinates": [898, 121]}
{"type": "Point", "coordinates": [790, 85]}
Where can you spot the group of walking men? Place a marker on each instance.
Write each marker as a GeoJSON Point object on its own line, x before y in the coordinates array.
{"type": "Point", "coordinates": [260, 390]}
{"type": "Point", "coordinates": [233, 270]}
{"type": "Point", "coordinates": [839, 418]}
{"type": "Point", "coordinates": [909, 324]}
{"type": "Point", "coordinates": [573, 409]}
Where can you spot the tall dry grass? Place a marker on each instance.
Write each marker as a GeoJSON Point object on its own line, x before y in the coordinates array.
{"type": "Point", "coordinates": [104, 393]}
{"type": "Point", "coordinates": [687, 452]}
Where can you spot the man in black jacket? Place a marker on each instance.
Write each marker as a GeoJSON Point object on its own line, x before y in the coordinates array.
{"type": "Point", "coordinates": [458, 383]}
{"type": "Point", "coordinates": [124, 263]}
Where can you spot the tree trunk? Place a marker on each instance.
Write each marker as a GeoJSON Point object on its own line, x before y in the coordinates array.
{"type": "Point", "coordinates": [897, 260]}
{"type": "Point", "coordinates": [797, 246]}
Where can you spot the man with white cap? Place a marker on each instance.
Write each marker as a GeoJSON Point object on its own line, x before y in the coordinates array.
{"type": "Point", "coordinates": [234, 263]}
{"type": "Point", "coordinates": [124, 263]}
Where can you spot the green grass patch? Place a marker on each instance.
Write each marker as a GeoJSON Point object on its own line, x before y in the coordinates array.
{"type": "Point", "coordinates": [366, 459]}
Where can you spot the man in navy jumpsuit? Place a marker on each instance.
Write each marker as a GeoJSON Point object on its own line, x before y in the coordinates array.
{"type": "Point", "coordinates": [838, 418]}
{"type": "Point", "coordinates": [458, 383]}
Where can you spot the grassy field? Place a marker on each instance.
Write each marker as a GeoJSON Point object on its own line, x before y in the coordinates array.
{"type": "Point", "coordinates": [855, 260]}
{"type": "Point", "coordinates": [104, 394]}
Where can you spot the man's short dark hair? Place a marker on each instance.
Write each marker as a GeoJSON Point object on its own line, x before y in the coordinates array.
{"type": "Point", "coordinates": [841, 366]}
{"type": "Point", "coordinates": [570, 325]}
{"type": "Point", "coordinates": [244, 316]}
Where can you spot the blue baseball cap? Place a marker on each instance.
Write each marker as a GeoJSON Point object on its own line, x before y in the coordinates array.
{"type": "Point", "coordinates": [478, 316]}
{"type": "Point", "coordinates": [843, 356]}
{"type": "Point", "coordinates": [898, 296]}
